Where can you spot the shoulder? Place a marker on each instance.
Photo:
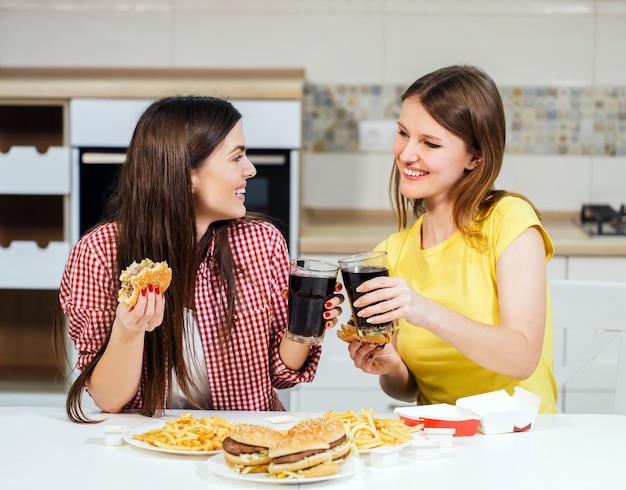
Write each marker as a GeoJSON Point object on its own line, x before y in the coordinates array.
{"type": "Point", "coordinates": [510, 216]}
{"type": "Point", "coordinates": [97, 244]}
{"type": "Point", "coordinates": [256, 228]}
{"type": "Point", "coordinates": [514, 205]}
{"type": "Point", "coordinates": [101, 237]}
{"type": "Point", "coordinates": [256, 235]}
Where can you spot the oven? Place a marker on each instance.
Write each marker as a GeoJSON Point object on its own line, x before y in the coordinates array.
{"type": "Point", "coordinates": [101, 129]}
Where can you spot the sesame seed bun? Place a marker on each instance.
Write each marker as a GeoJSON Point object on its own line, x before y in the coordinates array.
{"type": "Point", "coordinates": [331, 430]}
{"type": "Point", "coordinates": [246, 449]}
{"type": "Point", "coordinates": [138, 276]}
{"type": "Point", "coordinates": [255, 435]}
{"type": "Point", "coordinates": [298, 453]}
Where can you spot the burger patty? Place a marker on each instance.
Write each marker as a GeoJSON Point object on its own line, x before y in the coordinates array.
{"type": "Point", "coordinates": [292, 458]}
{"type": "Point", "coordinates": [237, 448]}
{"type": "Point", "coordinates": [339, 441]}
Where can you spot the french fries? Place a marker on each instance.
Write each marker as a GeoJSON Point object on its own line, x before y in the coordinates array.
{"type": "Point", "coordinates": [187, 433]}
{"type": "Point", "coordinates": [369, 432]}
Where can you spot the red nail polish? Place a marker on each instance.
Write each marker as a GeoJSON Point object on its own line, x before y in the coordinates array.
{"type": "Point", "coordinates": [157, 290]}
{"type": "Point", "coordinates": [329, 324]}
{"type": "Point", "coordinates": [143, 292]}
{"type": "Point", "coordinates": [326, 314]}
{"type": "Point", "coordinates": [150, 288]}
{"type": "Point", "coordinates": [328, 304]}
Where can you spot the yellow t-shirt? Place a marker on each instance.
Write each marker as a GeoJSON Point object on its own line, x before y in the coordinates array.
{"type": "Point", "coordinates": [463, 279]}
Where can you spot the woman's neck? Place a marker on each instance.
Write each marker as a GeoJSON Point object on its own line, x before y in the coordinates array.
{"type": "Point", "coordinates": [437, 226]}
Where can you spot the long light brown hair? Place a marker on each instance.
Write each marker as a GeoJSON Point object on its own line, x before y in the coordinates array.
{"type": "Point", "coordinates": [153, 210]}
{"type": "Point", "coordinates": [465, 101]}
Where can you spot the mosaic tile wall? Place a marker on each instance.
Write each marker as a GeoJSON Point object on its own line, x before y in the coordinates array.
{"type": "Point", "coordinates": [540, 120]}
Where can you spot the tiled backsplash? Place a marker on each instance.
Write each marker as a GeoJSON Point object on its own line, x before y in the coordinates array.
{"type": "Point", "coordinates": [540, 120]}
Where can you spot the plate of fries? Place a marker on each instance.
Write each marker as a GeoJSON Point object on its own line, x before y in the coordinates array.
{"type": "Point", "coordinates": [369, 432]}
{"type": "Point", "coordinates": [185, 435]}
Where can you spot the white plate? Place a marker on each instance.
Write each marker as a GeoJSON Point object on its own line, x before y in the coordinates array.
{"type": "Point", "coordinates": [400, 447]}
{"type": "Point", "coordinates": [128, 438]}
{"type": "Point", "coordinates": [281, 419]}
{"type": "Point", "coordinates": [218, 466]}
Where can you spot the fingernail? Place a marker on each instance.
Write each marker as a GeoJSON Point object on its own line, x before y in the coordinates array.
{"type": "Point", "coordinates": [150, 288]}
{"type": "Point", "coordinates": [327, 314]}
{"type": "Point", "coordinates": [337, 287]}
{"type": "Point", "coordinates": [143, 292]}
{"type": "Point", "coordinates": [328, 304]}
{"type": "Point", "coordinates": [329, 324]}
{"type": "Point", "coordinates": [157, 290]}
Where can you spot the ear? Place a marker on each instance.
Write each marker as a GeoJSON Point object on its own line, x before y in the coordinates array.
{"type": "Point", "coordinates": [194, 181]}
{"type": "Point", "coordinates": [474, 162]}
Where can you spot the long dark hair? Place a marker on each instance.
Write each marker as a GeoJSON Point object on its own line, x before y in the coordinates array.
{"type": "Point", "coordinates": [153, 211]}
{"type": "Point", "coordinates": [465, 101]}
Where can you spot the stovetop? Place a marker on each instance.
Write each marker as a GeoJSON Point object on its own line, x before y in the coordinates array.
{"type": "Point", "coordinates": [603, 220]}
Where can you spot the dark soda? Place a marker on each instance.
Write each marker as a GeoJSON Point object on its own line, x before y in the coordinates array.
{"type": "Point", "coordinates": [307, 295]}
{"type": "Point", "coordinates": [354, 277]}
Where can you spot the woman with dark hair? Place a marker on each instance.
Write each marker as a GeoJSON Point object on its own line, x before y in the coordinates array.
{"type": "Point", "coordinates": [215, 338]}
{"type": "Point", "coordinates": [468, 279]}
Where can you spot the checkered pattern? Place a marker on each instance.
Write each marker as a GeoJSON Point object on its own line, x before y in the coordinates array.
{"type": "Point", "coordinates": [242, 376]}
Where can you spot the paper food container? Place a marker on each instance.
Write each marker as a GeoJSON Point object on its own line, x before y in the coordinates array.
{"type": "Point", "coordinates": [499, 412]}
{"type": "Point", "coordinates": [441, 416]}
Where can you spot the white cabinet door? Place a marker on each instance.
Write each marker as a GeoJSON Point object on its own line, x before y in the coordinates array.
{"type": "Point", "coordinates": [591, 390]}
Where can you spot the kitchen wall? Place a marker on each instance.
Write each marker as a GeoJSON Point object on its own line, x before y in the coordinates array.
{"type": "Point", "coordinates": [358, 55]}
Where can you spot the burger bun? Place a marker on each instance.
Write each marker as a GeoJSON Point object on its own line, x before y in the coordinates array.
{"type": "Point", "coordinates": [349, 332]}
{"type": "Point", "coordinates": [139, 275]}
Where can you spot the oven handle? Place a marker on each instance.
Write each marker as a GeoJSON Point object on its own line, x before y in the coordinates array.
{"type": "Point", "coordinates": [276, 159]}
{"type": "Point", "coordinates": [91, 157]}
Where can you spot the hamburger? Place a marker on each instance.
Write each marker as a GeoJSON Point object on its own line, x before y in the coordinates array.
{"type": "Point", "coordinates": [137, 276]}
{"type": "Point", "coordinates": [350, 332]}
{"type": "Point", "coordinates": [302, 456]}
{"type": "Point", "coordinates": [331, 430]}
{"type": "Point", "coordinates": [246, 449]}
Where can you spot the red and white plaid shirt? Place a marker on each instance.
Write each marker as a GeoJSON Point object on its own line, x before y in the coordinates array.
{"type": "Point", "coordinates": [245, 375]}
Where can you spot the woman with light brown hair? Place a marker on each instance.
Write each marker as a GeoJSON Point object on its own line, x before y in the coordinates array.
{"type": "Point", "coordinates": [215, 339]}
{"type": "Point", "coordinates": [468, 279]}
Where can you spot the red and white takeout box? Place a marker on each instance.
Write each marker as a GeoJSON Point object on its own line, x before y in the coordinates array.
{"type": "Point", "coordinates": [441, 416]}
{"type": "Point", "coordinates": [501, 412]}
{"type": "Point", "coordinates": [491, 413]}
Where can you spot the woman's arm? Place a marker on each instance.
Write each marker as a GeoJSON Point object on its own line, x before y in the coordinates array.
{"type": "Point", "coordinates": [116, 377]}
{"type": "Point", "coordinates": [514, 347]}
{"type": "Point", "coordinates": [394, 377]}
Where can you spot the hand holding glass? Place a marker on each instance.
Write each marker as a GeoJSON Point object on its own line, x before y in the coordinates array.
{"type": "Point", "coordinates": [357, 269]}
{"type": "Point", "coordinates": [311, 284]}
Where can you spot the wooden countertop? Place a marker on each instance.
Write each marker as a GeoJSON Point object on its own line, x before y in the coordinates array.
{"type": "Point", "coordinates": [349, 231]}
{"type": "Point", "coordinates": [66, 83]}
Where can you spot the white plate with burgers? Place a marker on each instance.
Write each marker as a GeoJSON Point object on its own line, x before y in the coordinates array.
{"type": "Point", "coordinates": [312, 450]}
{"type": "Point", "coordinates": [219, 467]}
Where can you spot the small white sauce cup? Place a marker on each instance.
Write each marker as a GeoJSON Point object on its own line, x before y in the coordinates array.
{"type": "Point", "coordinates": [113, 435]}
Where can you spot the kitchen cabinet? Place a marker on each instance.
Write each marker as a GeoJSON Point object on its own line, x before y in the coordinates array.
{"type": "Point", "coordinates": [591, 389]}
{"type": "Point", "coordinates": [34, 241]}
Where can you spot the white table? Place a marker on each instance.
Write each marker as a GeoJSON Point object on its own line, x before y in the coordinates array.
{"type": "Point", "coordinates": [41, 449]}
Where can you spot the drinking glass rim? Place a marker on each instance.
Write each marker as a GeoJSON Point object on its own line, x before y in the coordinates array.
{"type": "Point", "coordinates": [373, 255]}
{"type": "Point", "coordinates": [329, 269]}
